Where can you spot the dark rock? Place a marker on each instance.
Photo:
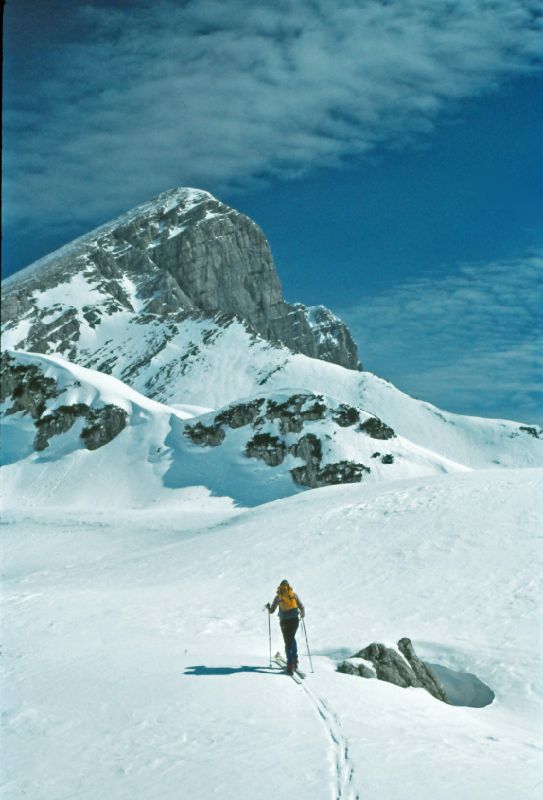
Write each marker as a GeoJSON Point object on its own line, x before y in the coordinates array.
{"type": "Point", "coordinates": [92, 315]}
{"type": "Point", "coordinates": [352, 668]}
{"type": "Point", "coordinates": [267, 448]}
{"type": "Point", "coordinates": [56, 422]}
{"type": "Point", "coordinates": [330, 474]}
{"type": "Point", "coordinates": [403, 668]}
{"type": "Point", "coordinates": [346, 415]}
{"type": "Point", "coordinates": [349, 667]}
{"type": "Point", "coordinates": [26, 386]}
{"type": "Point", "coordinates": [63, 331]}
{"type": "Point", "coordinates": [388, 458]}
{"type": "Point", "coordinates": [330, 339]}
{"type": "Point", "coordinates": [366, 672]}
{"type": "Point", "coordinates": [29, 390]}
{"type": "Point", "coordinates": [377, 429]}
{"type": "Point", "coordinates": [423, 673]}
{"type": "Point", "coordinates": [308, 448]}
{"type": "Point", "coordinates": [537, 434]}
{"type": "Point", "coordinates": [103, 425]}
{"type": "Point", "coordinates": [292, 413]}
{"type": "Point", "coordinates": [205, 435]}
{"type": "Point", "coordinates": [241, 414]}
{"type": "Point", "coordinates": [389, 665]}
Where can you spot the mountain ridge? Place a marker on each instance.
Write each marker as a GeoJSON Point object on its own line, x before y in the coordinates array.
{"type": "Point", "coordinates": [184, 252]}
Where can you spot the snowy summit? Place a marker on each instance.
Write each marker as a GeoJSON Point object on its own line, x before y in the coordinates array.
{"type": "Point", "coordinates": [176, 439]}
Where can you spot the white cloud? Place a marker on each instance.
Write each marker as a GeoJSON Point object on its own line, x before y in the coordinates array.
{"type": "Point", "coordinates": [470, 342]}
{"type": "Point", "coordinates": [220, 95]}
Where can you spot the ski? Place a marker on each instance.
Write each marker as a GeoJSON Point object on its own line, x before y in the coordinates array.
{"type": "Point", "coordinates": [295, 677]}
{"type": "Point", "coordinates": [280, 661]}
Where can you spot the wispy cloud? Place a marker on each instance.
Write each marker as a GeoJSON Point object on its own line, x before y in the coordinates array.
{"type": "Point", "coordinates": [470, 342]}
{"type": "Point", "coordinates": [222, 94]}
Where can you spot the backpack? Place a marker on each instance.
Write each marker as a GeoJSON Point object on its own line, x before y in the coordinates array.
{"type": "Point", "coordinates": [287, 598]}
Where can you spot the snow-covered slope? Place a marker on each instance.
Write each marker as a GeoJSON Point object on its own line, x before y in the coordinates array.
{"type": "Point", "coordinates": [124, 470]}
{"type": "Point", "coordinates": [213, 362]}
{"type": "Point", "coordinates": [135, 646]}
{"type": "Point", "coordinates": [91, 438]}
{"type": "Point", "coordinates": [148, 456]}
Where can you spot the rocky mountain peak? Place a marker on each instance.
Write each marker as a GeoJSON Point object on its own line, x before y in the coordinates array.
{"type": "Point", "coordinates": [184, 252]}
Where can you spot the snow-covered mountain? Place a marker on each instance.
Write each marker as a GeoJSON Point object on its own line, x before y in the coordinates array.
{"type": "Point", "coordinates": [173, 437]}
{"type": "Point", "coordinates": [179, 299]}
{"type": "Point", "coordinates": [141, 275]}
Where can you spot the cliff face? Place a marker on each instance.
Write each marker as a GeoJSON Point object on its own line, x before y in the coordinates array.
{"type": "Point", "coordinates": [182, 253]}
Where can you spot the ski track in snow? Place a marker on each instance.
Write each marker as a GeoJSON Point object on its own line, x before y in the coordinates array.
{"type": "Point", "coordinates": [343, 769]}
{"type": "Point", "coordinates": [343, 788]}
{"type": "Point", "coordinates": [137, 594]}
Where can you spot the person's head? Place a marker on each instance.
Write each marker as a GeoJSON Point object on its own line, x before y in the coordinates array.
{"type": "Point", "coordinates": [284, 586]}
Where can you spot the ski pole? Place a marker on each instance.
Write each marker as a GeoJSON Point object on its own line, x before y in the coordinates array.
{"type": "Point", "coordinates": [269, 633]}
{"type": "Point", "coordinates": [307, 644]}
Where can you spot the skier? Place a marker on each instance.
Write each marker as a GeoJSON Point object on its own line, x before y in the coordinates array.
{"type": "Point", "coordinates": [290, 609]}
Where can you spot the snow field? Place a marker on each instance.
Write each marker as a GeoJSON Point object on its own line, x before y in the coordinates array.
{"type": "Point", "coordinates": [135, 645]}
{"type": "Point", "coordinates": [152, 463]}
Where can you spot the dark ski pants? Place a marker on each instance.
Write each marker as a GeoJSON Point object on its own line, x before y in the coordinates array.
{"type": "Point", "coordinates": [288, 629]}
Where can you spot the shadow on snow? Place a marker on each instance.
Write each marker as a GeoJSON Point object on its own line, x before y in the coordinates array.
{"type": "Point", "coordinates": [202, 670]}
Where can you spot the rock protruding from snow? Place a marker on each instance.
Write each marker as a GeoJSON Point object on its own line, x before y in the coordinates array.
{"type": "Point", "coordinates": [274, 425]}
{"type": "Point", "coordinates": [181, 253]}
{"type": "Point", "coordinates": [377, 429]}
{"type": "Point", "coordinates": [26, 389]}
{"type": "Point", "coordinates": [400, 666]}
{"type": "Point", "coordinates": [271, 445]}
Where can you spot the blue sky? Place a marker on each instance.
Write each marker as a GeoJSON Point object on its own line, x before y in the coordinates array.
{"type": "Point", "coordinates": [389, 150]}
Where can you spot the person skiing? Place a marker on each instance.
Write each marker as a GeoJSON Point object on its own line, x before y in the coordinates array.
{"type": "Point", "coordinates": [290, 609]}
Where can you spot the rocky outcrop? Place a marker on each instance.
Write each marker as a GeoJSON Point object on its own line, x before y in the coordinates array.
{"type": "Point", "coordinates": [346, 415]}
{"type": "Point", "coordinates": [103, 425]}
{"type": "Point", "coordinates": [377, 429]}
{"type": "Point", "coordinates": [240, 414]}
{"type": "Point", "coordinates": [205, 435]}
{"type": "Point", "coordinates": [267, 448]}
{"type": "Point", "coordinates": [402, 667]}
{"type": "Point", "coordinates": [25, 386]}
{"type": "Point", "coordinates": [387, 458]}
{"type": "Point", "coordinates": [537, 433]}
{"type": "Point", "coordinates": [57, 422]}
{"type": "Point", "coordinates": [294, 412]}
{"type": "Point", "coordinates": [274, 427]}
{"type": "Point", "coordinates": [183, 252]}
{"type": "Point", "coordinates": [318, 333]}
{"type": "Point", "coordinates": [356, 666]}
{"type": "Point", "coordinates": [314, 476]}
{"type": "Point", "coordinates": [25, 389]}
{"type": "Point", "coordinates": [422, 672]}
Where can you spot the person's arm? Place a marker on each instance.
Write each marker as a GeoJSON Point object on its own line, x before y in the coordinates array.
{"type": "Point", "coordinates": [300, 605]}
{"type": "Point", "coordinates": [274, 605]}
